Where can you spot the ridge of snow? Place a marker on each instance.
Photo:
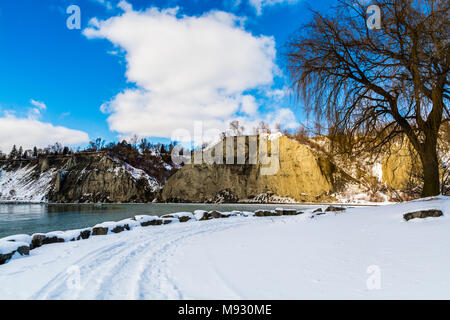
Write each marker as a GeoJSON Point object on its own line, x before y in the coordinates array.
{"type": "Point", "coordinates": [10, 246]}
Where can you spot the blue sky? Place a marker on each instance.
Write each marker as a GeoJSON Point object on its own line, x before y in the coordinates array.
{"type": "Point", "coordinates": [67, 85]}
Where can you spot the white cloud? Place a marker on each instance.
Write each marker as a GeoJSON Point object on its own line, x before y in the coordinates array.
{"type": "Point", "coordinates": [35, 113]}
{"type": "Point", "coordinates": [105, 3]}
{"type": "Point", "coordinates": [29, 132]}
{"type": "Point", "coordinates": [186, 69]}
{"type": "Point", "coordinates": [260, 4]}
{"type": "Point", "coordinates": [283, 116]}
{"type": "Point", "coordinates": [249, 105]}
{"type": "Point", "coordinates": [278, 94]}
{"type": "Point", "coordinates": [38, 104]}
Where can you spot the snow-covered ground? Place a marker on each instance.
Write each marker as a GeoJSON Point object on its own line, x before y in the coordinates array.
{"type": "Point", "coordinates": [362, 253]}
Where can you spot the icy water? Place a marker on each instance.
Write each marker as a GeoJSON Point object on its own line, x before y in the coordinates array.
{"type": "Point", "coordinates": [33, 218]}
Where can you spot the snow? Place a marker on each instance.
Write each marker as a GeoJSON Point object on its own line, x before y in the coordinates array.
{"type": "Point", "coordinates": [144, 218]}
{"type": "Point", "coordinates": [18, 238]}
{"type": "Point", "coordinates": [111, 225]}
{"type": "Point", "coordinates": [65, 235]}
{"type": "Point", "coordinates": [377, 171]}
{"type": "Point", "coordinates": [333, 256]}
{"type": "Point", "coordinates": [198, 214]}
{"type": "Point", "coordinates": [271, 136]}
{"type": "Point", "coordinates": [21, 186]}
{"type": "Point", "coordinates": [137, 174]}
{"type": "Point", "coordinates": [10, 246]}
{"type": "Point", "coordinates": [180, 215]}
{"type": "Point", "coordinates": [355, 194]}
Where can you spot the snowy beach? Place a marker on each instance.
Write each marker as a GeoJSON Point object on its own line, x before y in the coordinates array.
{"type": "Point", "coordinates": [361, 253]}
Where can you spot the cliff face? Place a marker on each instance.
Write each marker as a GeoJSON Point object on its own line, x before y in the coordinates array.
{"type": "Point", "coordinates": [76, 179]}
{"type": "Point", "coordinates": [100, 179]}
{"type": "Point", "coordinates": [402, 168]}
{"type": "Point", "coordinates": [306, 173]}
{"type": "Point", "coordinates": [302, 176]}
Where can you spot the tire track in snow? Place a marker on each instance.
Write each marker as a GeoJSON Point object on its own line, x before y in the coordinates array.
{"type": "Point", "coordinates": [135, 266]}
{"type": "Point", "coordinates": [90, 262]}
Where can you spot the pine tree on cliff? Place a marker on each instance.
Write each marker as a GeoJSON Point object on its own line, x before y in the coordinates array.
{"type": "Point", "coordinates": [13, 153]}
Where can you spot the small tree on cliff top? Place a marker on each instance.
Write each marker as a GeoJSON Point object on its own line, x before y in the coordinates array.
{"type": "Point", "coordinates": [378, 83]}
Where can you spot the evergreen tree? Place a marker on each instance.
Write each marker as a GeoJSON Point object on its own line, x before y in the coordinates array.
{"type": "Point", "coordinates": [13, 153]}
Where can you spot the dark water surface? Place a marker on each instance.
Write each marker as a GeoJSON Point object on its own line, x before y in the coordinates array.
{"type": "Point", "coordinates": [33, 218]}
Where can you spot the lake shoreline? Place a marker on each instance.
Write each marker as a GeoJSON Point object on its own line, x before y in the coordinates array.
{"type": "Point", "coordinates": [369, 204]}
{"type": "Point", "coordinates": [21, 244]}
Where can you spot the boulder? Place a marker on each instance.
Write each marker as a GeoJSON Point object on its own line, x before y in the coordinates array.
{"type": "Point", "coordinates": [153, 222]}
{"type": "Point", "coordinates": [265, 213]}
{"type": "Point", "coordinates": [217, 215]}
{"type": "Point", "coordinates": [182, 217]}
{"type": "Point", "coordinates": [423, 214]}
{"type": "Point", "coordinates": [4, 257]}
{"type": "Point", "coordinates": [318, 210]}
{"type": "Point", "coordinates": [287, 212]}
{"type": "Point", "coordinates": [201, 215]}
{"type": "Point", "coordinates": [53, 239]}
{"type": "Point", "coordinates": [37, 240]}
{"type": "Point", "coordinates": [118, 229]}
{"type": "Point", "coordinates": [23, 250]}
{"type": "Point", "coordinates": [99, 231]}
{"type": "Point", "coordinates": [279, 212]}
{"type": "Point", "coordinates": [334, 209]}
{"type": "Point", "coordinates": [85, 234]}
{"type": "Point", "coordinates": [9, 248]}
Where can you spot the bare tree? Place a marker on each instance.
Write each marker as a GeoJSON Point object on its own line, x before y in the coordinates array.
{"type": "Point", "coordinates": [236, 128]}
{"type": "Point", "coordinates": [373, 86]}
{"type": "Point", "coordinates": [262, 127]}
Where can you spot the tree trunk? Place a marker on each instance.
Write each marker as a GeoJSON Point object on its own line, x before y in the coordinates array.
{"type": "Point", "coordinates": [430, 165]}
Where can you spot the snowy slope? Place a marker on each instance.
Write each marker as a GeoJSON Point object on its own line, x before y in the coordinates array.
{"type": "Point", "coordinates": [22, 185]}
{"type": "Point", "coordinates": [29, 184]}
{"type": "Point", "coordinates": [137, 174]}
{"type": "Point", "coordinates": [296, 257]}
